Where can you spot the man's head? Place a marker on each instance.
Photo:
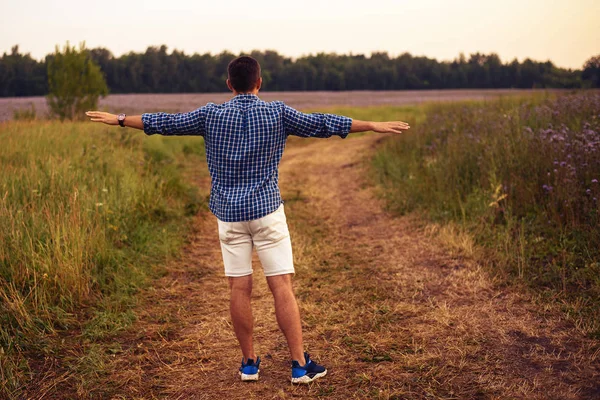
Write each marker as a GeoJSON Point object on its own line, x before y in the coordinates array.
{"type": "Point", "coordinates": [244, 75]}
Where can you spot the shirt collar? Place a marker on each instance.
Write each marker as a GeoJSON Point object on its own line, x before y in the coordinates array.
{"type": "Point", "coordinates": [245, 97]}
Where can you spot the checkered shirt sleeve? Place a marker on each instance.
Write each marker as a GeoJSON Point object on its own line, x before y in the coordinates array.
{"type": "Point", "coordinates": [190, 123]}
{"type": "Point", "coordinates": [315, 124]}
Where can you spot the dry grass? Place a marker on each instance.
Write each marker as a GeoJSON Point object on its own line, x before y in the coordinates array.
{"type": "Point", "coordinates": [390, 312]}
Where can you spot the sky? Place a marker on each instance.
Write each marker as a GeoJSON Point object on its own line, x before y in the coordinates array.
{"type": "Point", "coordinates": [566, 32]}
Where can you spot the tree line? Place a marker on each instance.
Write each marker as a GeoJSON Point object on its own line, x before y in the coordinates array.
{"type": "Point", "coordinates": [159, 71]}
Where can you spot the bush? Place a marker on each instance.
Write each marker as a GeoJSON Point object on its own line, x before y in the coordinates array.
{"type": "Point", "coordinates": [75, 83]}
{"type": "Point", "coordinates": [26, 114]}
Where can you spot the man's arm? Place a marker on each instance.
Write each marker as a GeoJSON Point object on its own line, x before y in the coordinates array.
{"type": "Point", "coordinates": [191, 123]}
{"type": "Point", "coordinates": [325, 125]}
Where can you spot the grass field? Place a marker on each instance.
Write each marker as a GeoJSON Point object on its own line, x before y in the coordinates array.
{"type": "Point", "coordinates": [91, 214]}
{"type": "Point", "coordinates": [88, 215]}
{"type": "Point", "coordinates": [519, 178]}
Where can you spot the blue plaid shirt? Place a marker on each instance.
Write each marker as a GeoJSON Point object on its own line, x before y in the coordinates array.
{"type": "Point", "coordinates": [244, 140]}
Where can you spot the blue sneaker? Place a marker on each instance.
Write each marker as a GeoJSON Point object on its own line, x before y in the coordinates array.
{"type": "Point", "coordinates": [249, 371]}
{"type": "Point", "coordinates": [308, 372]}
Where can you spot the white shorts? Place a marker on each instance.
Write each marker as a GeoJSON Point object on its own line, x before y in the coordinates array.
{"type": "Point", "coordinates": [270, 236]}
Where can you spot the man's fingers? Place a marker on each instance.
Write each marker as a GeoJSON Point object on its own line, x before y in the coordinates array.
{"type": "Point", "coordinates": [399, 127]}
{"type": "Point", "coordinates": [95, 114]}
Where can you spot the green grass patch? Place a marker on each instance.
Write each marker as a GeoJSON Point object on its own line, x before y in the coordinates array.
{"type": "Point", "coordinates": [520, 175]}
{"type": "Point", "coordinates": [88, 213]}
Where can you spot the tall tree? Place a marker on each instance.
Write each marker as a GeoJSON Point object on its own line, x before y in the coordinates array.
{"type": "Point", "coordinates": [591, 71]}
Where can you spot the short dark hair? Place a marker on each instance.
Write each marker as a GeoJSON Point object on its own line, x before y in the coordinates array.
{"type": "Point", "coordinates": [244, 73]}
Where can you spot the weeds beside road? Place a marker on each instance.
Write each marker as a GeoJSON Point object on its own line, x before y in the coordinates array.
{"type": "Point", "coordinates": [518, 177]}
{"type": "Point", "coordinates": [87, 216]}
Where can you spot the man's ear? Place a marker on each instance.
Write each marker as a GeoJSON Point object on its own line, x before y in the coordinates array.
{"type": "Point", "coordinates": [229, 85]}
{"type": "Point", "coordinates": [259, 84]}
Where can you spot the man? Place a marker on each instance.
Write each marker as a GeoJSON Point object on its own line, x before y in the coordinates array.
{"type": "Point", "coordinates": [244, 140]}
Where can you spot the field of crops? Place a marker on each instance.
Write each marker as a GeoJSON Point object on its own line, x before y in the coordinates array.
{"type": "Point", "coordinates": [138, 103]}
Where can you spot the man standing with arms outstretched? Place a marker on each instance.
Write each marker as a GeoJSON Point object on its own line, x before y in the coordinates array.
{"type": "Point", "coordinates": [244, 139]}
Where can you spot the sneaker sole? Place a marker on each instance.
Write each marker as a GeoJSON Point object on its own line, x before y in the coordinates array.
{"type": "Point", "coordinates": [249, 377]}
{"type": "Point", "coordinates": [306, 379]}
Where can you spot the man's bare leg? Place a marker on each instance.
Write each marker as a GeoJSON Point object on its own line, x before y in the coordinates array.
{"type": "Point", "coordinates": [241, 313]}
{"type": "Point", "coordinates": [288, 314]}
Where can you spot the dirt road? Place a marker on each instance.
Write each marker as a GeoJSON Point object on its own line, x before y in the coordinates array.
{"type": "Point", "coordinates": [384, 307]}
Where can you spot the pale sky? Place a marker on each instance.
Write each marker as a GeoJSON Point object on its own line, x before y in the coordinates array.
{"type": "Point", "coordinates": [566, 32]}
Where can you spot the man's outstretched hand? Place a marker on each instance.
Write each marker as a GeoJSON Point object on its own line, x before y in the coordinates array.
{"type": "Point", "coordinates": [390, 127]}
{"type": "Point", "coordinates": [379, 127]}
{"type": "Point", "coordinates": [131, 121]}
{"type": "Point", "coordinates": [104, 117]}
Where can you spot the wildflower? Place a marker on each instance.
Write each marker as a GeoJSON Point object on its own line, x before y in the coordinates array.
{"type": "Point", "coordinates": [594, 180]}
{"type": "Point", "coordinates": [105, 190]}
{"type": "Point", "coordinates": [588, 191]}
{"type": "Point", "coordinates": [547, 188]}
{"type": "Point", "coordinates": [563, 163]}
{"type": "Point", "coordinates": [99, 204]}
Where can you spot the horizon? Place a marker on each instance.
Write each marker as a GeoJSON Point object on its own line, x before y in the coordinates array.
{"type": "Point", "coordinates": [563, 32]}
